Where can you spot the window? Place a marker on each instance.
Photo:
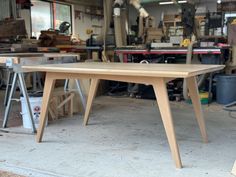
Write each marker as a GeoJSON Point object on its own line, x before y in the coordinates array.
{"type": "Point", "coordinates": [228, 18]}
{"type": "Point", "coordinates": [63, 13]}
{"type": "Point", "coordinates": [47, 15]}
{"type": "Point", "coordinates": [41, 17]}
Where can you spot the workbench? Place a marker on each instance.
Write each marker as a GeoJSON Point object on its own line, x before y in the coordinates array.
{"type": "Point", "coordinates": [83, 49]}
{"type": "Point", "coordinates": [156, 75]}
{"type": "Point", "coordinates": [167, 51]}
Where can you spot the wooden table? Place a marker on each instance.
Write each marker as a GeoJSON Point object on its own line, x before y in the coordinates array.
{"type": "Point", "coordinates": [156, 75]}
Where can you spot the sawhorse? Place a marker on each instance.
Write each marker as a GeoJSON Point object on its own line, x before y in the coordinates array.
{"type": "Point", "coordinates": [18, 77]}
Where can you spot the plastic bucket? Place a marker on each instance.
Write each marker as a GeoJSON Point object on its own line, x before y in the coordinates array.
{"type": "Point", "coordinates": [35, 103]}
{"type": "Point", "coordinates": [226, 89]}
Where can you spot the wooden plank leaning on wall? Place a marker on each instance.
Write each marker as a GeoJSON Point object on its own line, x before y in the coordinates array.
{"type": "Point", "coordinates": [234, 169]}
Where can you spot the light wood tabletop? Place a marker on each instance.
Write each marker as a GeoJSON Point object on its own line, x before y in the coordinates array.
{"type": "Point", "coordinates": [16, 57]}
{"type": "Point", "coordinates": [156, 75]}
{"type": "Point", "coordinates": [129, 69]}
{"type": "Point", "coordinates": [20, 54]}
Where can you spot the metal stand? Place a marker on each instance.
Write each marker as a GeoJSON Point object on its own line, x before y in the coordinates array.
{"type": "Point", "coordinates": [36, 80]}
{"type": "Point", "coordinates": [9, 85]}
{"type": "Point", "coordinates": [18, 76]}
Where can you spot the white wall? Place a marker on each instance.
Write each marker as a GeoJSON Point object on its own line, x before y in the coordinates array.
{"type": "Point", "coordinates": [85, 22]}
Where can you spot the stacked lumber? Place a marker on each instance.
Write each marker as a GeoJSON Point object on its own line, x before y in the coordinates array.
{"type": "Point", "coordinates": [62, 40]}
{"type": "Point", "coordinates": [61, 104]}
{"type": "Point", "coordinates": [154, 34]}
{"type": "Point", "coordinates": [53, 38]}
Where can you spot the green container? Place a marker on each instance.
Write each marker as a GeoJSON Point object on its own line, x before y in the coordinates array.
{"type": "Point", "coordinates": [204, 98]}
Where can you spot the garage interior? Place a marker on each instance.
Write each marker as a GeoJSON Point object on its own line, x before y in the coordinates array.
{"type": "Point", "coordinates": [117, 88]}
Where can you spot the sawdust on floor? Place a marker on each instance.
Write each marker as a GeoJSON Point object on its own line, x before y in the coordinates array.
{"type": "Point", "coordinates": [8, 174]}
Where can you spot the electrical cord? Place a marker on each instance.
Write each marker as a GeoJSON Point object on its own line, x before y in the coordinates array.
{"type": "Point", "coordinates": [230, 110]}
{"type": "Point", "coordinates": [231, 116]}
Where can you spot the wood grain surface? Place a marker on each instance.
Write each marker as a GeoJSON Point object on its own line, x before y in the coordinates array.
{"type": "Point", "coordinates": [128, 69]}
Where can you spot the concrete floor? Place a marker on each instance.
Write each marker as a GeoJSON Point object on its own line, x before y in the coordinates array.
{"type": "Point", "coordinates": [125, 138]}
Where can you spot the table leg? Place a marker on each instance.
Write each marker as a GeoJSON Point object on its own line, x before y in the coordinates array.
{"type": "Point", "coordinates": [194, 94]}
{"type": "Point", "coordinates": [82, 97]}
{"type": "Point", "coordinates": [91, 95]}
{"type": "Point", "coordinates": [210, 88]}
{"type": "Point", "coordinates": [34, 81]}
{"type": "Point", "coordinates": [160, 89]}
{"type": "Point", "coordinates": [48, 87]}
{"type": "Point", "coordinates": [79, 88]}
{"type": "Point", "coordinates": [39, 80]}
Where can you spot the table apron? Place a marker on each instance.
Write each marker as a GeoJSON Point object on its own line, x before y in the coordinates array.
{"type": "Point", "coordinates": [121, 78]}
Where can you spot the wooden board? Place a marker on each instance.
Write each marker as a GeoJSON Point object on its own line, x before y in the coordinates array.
{"type": "Point", "coordinates": [128, 69]}
{"type": "Point", "coordinates": [58, 55]}
{"type": "Point", "coordinates": [17, 57]}
{"type": "Point", "coordinates": [21, 55]}
{"type": "Point", "coordinates": [234, 169]}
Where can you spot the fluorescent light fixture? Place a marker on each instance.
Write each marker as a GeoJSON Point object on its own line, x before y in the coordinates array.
{"type": "Point", "coordinates": [218, 1]}
{"type": "Point", "coordinates": [171, 2]}
{"type": "Point", "coordinates": [164, 3]}
{"type": "Point", "coordinates": [182, 2]}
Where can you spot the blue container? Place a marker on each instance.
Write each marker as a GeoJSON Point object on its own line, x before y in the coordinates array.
{"type": "Point", "coordinates": [226, 89]}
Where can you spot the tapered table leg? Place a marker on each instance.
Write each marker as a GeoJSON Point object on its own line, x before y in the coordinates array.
{"type": "Point", "coordinates": [194, 94]}
{"type": "Point", "coordinates": [160, 89]}
{"type": "Point", "coordinates": [48, 88]}
{"type": "Point", "coordinates": [91, 95]}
